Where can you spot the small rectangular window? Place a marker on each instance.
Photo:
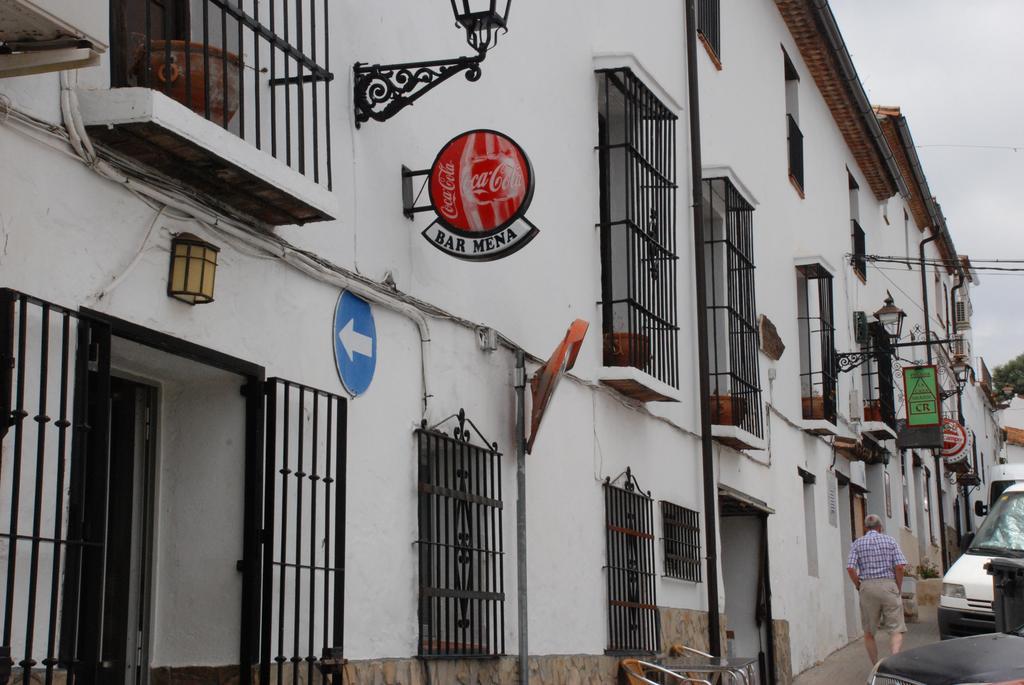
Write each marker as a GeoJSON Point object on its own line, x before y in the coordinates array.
{"type": "Point", "coordinates": [709, 23]}
{"type": "Point", "coordinates": [634, 623]}
{"type": "Point", "coordinates": [860, 266]}
{"type": "Point", "coordinates": [810, 522]}
{"type": "Point", "coordinates": [817, 342]}
{"type": "Point", "coordinates": [462, 579]}
{"type": "Point", "coordinates": [682, 542]}
{"type": "Point", "coordinates": [906, 237]}
{"type": "Point", "coordinates": [794, 137]}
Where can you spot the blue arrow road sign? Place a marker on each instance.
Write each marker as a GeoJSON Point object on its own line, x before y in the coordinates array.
{"type": "Point", "coordinates": [355, 342]}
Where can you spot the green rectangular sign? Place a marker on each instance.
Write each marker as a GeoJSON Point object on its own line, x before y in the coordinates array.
{"type": "Point", "coordinates": [921, 394]}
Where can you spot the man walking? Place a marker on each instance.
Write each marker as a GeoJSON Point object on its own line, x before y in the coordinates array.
{"type": "Point", "coordinates": [876, 569]}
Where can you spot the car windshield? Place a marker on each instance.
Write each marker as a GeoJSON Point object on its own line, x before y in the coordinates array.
{"type": "Point", "coordinates": [1002, 533]}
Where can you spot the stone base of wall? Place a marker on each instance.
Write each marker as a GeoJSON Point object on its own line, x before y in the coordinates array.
{"type": "Point", "coordinates": [684, 627]}
{"type": "Point", "coordinates": [576, 669]}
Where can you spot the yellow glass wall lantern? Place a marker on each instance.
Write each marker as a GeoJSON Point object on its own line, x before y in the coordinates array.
{"type": "Point", "coordinates": [193, 269]}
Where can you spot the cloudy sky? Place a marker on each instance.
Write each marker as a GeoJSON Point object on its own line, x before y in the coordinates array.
{"type": "Point", "coordinates": [956, 69]}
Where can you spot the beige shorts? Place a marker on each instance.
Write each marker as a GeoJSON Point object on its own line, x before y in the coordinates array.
{"type": "Point", "coordinates": [881, 607]}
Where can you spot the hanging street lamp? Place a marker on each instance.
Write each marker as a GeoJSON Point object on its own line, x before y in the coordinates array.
{"type": "Point", "coordinates": [382, 90]}
{"type": "Point", "coordinates": [891, 317]}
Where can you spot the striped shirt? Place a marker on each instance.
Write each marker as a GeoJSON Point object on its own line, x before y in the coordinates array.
{"type": "Point", "coordinates": [874, 556]}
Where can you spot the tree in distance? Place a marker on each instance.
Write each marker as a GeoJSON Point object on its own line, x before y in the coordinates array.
{"type": "Point", "coordinates": [1010, 374]}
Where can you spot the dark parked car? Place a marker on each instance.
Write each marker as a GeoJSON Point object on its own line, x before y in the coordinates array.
{"type": "Point", "coordinates": [993, 658]}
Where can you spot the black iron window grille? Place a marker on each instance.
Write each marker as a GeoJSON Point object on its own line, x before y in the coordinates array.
{"type": "Point", "coordinates": [258, 68]}
{"type": "Point", "coordinates": [877, 378]}
{"type": "Point", "coordinates": [859, 260]}
{"type": "Point", "coordinates": [637, 153]}
{"type": "Point", "coordinates": [303, 533]}
{"type": "Point", "coordinates": [709, 24]}
{"type": "Point", "coordinates": [461, 559]}
{"type": "Point", "coordinates": [682, 542]}
{"type": "Point", "coordinates": [634, 624]}
{"type": "Point", "coordinates": [817, 339]}
{"type": "Point", "coordinates": [795, 143]}
{"type": "Point", "coordinates": [732, 326]}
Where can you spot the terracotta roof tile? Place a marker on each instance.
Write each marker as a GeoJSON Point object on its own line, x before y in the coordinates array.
{"type": "Point", "coordinates": [823, 63]}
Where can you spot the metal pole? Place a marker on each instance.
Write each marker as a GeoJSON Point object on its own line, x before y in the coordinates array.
{"type": "Point", "coordinates": [928, 348]}
{"type": "Point", "coordinates": [960, 397]}
{"type": "Point", "coordinates": [703, 365]}
{"type": "Point", "coordinates": [520, 385]}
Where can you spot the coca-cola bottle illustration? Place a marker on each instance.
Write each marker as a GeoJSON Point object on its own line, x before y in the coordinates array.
{"type": "Point", "coordinates": [492, 182]}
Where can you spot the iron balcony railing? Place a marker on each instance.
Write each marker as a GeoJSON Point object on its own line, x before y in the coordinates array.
{"type": "Point", "coordinates": [816, 321]}
{"type": "Point", "coordinates": [709, 22]}
{"type": "Point", "coordinates": [796, 151]}
{"type": "Point", "coordinates": [733, 337]}
{"type": "Point", "coordinates": [637, 157]}
{"type": "Point", "coordinates": [258, 68]}
{"type": "Point", "coordinates": [877, 379]}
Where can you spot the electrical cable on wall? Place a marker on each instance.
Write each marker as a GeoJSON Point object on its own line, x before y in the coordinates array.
{"type": "Point", "coordinates": [73, 141]}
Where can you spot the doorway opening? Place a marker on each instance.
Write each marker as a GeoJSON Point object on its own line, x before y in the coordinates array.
{"type": "Point", "coordinates": [745, 576]}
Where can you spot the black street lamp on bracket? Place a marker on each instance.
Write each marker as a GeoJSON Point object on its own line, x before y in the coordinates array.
{"type": "Point", "coordinates": [891, 318]}
{"type": "Point", "coordinates": [382, 90]}
{"type": "Point", "coordinates": [961, 374]}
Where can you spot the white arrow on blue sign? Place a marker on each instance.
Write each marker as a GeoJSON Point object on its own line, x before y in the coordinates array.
{"type": "Point", "coordinates": [355, 342]}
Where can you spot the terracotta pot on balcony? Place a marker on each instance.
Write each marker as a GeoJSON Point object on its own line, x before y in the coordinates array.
{"type": "Point", "coordinates": [627, 349]}
{"type": "Point", "coordinates": [872, 410]}
{"type": "Point", "coordinates": [727, 410]}
{"type": "Point", "coordinates": [813, 407]}
{"type": "Point", "coordinates": [169, 77]}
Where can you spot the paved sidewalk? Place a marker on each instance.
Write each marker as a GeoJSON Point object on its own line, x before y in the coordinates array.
{"type": "Point", "coordinates": [849, 665]}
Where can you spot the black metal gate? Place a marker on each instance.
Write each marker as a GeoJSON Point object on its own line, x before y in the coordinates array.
{"type": "Point", "coordinates": [302, 534]}
{"type": "Point", "coordinates": [54, 399]}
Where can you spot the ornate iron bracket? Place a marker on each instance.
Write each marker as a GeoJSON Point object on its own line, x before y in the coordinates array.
{"type": "Point", "coordinates": [848, 361]}
{"type": "Point", "coordinates": [382, 90]}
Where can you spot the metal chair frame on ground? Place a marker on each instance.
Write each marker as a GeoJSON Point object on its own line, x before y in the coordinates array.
{"type": "Point", "coordinates": [638, 672]}
{"type": "Point", "coordinates": [737, 675]}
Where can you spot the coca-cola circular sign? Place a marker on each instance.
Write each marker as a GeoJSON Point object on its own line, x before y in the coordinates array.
{"type": "Point", "coordinates": [954, 441]}
{"type": "Point", "coordinates": [480, 185]}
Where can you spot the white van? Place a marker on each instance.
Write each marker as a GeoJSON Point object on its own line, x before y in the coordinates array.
{"type": "Point", "coordinates": [1000, 477]}
{"type": "Point", "coordinates": [965, 606]}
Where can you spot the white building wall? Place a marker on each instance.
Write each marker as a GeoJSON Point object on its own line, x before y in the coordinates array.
{"type": "Point", "coordinates": [76, 239]}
